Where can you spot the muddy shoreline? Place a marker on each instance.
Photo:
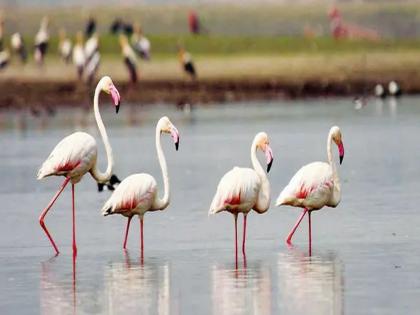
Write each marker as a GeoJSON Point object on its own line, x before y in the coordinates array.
{"type": "Point", "coordinates": [23, 93]}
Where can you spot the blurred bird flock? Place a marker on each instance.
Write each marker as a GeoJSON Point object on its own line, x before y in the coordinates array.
{"type": "Point", "coordinates": [368, 42]}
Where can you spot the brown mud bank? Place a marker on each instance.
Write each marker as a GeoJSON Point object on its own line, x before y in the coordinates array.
{"type": "Point", "coordinates": [23, 93]}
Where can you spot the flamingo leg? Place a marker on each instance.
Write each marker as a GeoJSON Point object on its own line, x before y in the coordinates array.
{"type": "Point", "coordinates": [126, 232]}
{"type": "Point", "coordinates": [236, 239]}
{"type": "Point", "coordinates": [310, 233]}
{"type": "Point", "coordinates": [45, 211]}
{"type": "Point", "coordinates": [289, 237]}
{"type": "Point", "coordinates": [244, 236]}
{"type": "Point", "coordinates": [74, 222]}
{"type": "Point", "coordinates": [141, 235]}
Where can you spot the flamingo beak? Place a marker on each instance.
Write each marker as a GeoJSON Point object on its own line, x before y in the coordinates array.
{"type": "Point", "coordinates": [175, 137]}
{"type": "Point", "coordinates": [115, 97]}
{"type": "Point", "coordinates": [341, 151]}
{"type": "Point", "coordinates": [269, 157]}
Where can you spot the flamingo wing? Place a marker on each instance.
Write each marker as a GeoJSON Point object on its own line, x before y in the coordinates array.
{"type": "Point", "coordinates": [136, 192]}
{"type": "Point", "coordinates": [77, 150]}
{"type": "Point", "coordinates": [311, 187]}
{"type": "Point", "coordinates": [237, 190]}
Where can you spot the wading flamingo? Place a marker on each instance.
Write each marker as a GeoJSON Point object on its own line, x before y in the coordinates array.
{"type": "Point", "coordinates": [76, 155]}
{"type": "Point", "coordinates": [315, 185]}
{"type": "Point", "coordinates": [138, 193]}
{"type": "Point", "coordinates": [243, 189]}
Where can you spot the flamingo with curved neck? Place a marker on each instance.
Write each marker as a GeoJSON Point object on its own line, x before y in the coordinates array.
{"type": "Point", "coordinates": [76, 155]}
{"type": "Point", "coordinates": [138, 193]}
{"type": "Point", "coordinates": [315, 185]}
{"type": "Point", "coordinates": [243, 189]}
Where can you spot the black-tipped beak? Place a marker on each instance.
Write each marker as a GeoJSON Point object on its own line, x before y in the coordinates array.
{"type": "Point", "coordinates": [341, 159]}
{"type": "Point", "coordinates": [269, 165]}
{"type": "Point", "coordinates": [117, 108]}
{"type": "Point", "coordinates": [177, 145]}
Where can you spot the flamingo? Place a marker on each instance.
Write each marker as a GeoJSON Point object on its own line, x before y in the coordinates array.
{"type": "Point", "coordinates": [138, 193]}
{"type": "Point", "coordinates": [243, 189]}
{"type": "Point", "coordinates": [76, 155]}
{"type": "Point", "coordinates": [315, 185]}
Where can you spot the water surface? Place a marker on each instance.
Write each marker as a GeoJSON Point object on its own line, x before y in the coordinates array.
{"type": "Point", "coordinates": [365, 253]}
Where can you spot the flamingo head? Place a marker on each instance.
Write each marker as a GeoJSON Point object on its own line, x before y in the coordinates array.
{"type": "Point", "coordinates": [335, 133]}
{"type": "Point", "coordinates": [166, 126]}
{"type": "Point", "coordinates": [108, 87]}
{"type": "Point", "coordinates": [262, 142]}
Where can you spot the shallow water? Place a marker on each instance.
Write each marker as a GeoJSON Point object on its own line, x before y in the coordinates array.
{"type": "Point", "coordinates": [365, 253]}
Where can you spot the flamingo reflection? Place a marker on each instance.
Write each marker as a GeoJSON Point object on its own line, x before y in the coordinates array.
{"type": "Point", "coordinates": [241, 291]}
{"type": "Point", "coordinates": [310, 284]}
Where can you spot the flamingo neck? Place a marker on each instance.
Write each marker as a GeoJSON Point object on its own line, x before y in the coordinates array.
{"type": "Point", "coordinates": [263, 200]}
{"type": "Point", "coordinates": [336, 197]}
{"type": "Point", "coordinates": [162, 203]}
{"type": "Point", "coordinates": [96, 173]}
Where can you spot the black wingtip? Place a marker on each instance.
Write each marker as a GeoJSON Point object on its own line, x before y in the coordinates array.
{"type": "Point", "coordinates": [269, 166]}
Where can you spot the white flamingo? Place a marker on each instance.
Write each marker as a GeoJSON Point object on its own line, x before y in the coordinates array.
{"type": "Point", "coordinates": [315, 185]}
{"type": "Point", "coordinates": [243, 189]}
{"type": "Point", "coordinates": [76, 155]}
{"type": "Point", "coordinates": [138, 193]}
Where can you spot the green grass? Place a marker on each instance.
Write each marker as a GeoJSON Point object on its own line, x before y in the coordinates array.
{"type": "Point", "coordinates": [164, 46]}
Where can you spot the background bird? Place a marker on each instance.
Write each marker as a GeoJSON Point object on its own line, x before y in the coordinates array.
{"type": "Point", "coordinates": [315, 185]}
{"type": "Point", "coordinates": [140, 43]}
{"type": "Point", "coordinates": [138, 193]}
{"type": "Point", "coordinates": [79, 58]}
{"type": "Point", "coordinates": [76, 155]}
{"type": "Point", "coordinates": [41, 41]}
{"type": "Point", "coordinates": [129, 58]}
{"type": "Point", "coordinates": [18, 46]}
{"type": "Point", "coordinates": [187, 63]}
{"type": "Point", "coordinates": [65, 47]}
{"type": "Point", "coordinates": [242, 189]}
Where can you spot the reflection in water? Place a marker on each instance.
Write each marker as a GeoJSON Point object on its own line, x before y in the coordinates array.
{"type": "Point", "coordinates": [310, 285]}
{"type": "Point", "coordinates": [57, 296]}
{"type": "Point", "coordinates": [134, 287]}
{"type": "Point", "coordinates": [241, 291]}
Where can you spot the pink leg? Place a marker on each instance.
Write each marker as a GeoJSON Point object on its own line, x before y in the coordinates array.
{"type": "Point", "coordinates": [126, 232]}
{"type": "Point", "coordinates": [45, 211]}
{"type": "Point", "coordinates": [74, 222]}
{"type": "Point", "coordinates": [141, 235]}
{"type": "Point", "coordinates": [289, 237]}
{"type": "Point", "coordinates": [236, 239]}
{"type": "Point", "coordinates": [244, 236]}
{"type": "Point", "coordinates": [310, 233]}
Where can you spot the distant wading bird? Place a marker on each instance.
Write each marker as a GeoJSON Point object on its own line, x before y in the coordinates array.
{"type": "Point", "coordinates": [138, 193]}
{"type": "Point", "coordinates": [18, 46]}
{"type": "Point", "coordinates": [140, 43]}
{"type": "Point", "coordinates": [243, 189]}
{"type": "Point", "coordinates": [79, 58]}
{"type": "Point", "coordinates": [130, 59]}
{"type": "Point", "coordinates": [41, 41]}
{"type": "Point", "coordinates": [187, 63]}
{"type": "Point", "coordinates": [76, 155]}
{"type": "Point", "coordinates": [315, 185]}
{"type": "Point", "coordinates": [65, 46]}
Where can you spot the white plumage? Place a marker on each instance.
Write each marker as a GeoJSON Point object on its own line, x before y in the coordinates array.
{"type": "Point", "coordinates": [76, 155]}
{"type": "Point", "coordinates": [79, 58]}
{"type": "Point", "coordinates": [138, 193]}
{"type": "Point", "coordinates": [243, 189]}
{"type": "Point", "coordinates": [315, 185]}
{"type": "Point", "coordinates": [91, 46]}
